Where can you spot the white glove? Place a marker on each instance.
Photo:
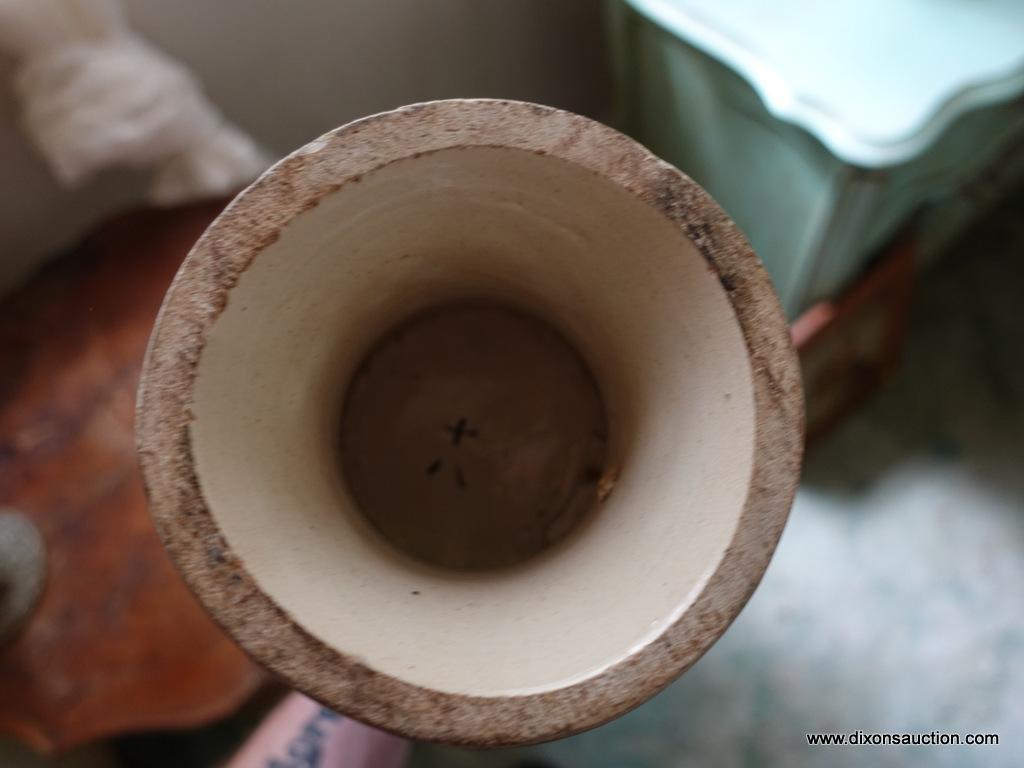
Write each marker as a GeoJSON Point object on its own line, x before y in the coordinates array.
{"type": "Point", "coordinates": [94, 95]}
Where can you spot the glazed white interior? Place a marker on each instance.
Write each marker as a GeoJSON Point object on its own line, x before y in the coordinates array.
{"type": "Point", "coordinates": [616, 278]}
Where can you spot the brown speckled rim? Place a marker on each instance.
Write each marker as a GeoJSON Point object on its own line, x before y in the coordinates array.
{"type": "Point", "coordinates": [264, 629]}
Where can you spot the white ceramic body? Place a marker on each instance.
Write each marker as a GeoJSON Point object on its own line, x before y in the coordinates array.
{"type": "Point", "coordinates": [522, 205]}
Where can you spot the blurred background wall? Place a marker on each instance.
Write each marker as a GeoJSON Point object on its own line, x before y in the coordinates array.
{"type": "Point", "coordinates": [287, 72]}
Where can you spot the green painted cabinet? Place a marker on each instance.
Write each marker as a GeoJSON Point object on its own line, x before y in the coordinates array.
{"type": "Point", "coordinates": [819, 129]}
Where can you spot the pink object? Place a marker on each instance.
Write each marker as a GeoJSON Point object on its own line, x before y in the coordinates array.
{"type": "Point", "coordinates": [300, 733]}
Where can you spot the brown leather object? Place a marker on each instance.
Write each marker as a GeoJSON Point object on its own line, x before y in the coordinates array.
{"type": "Point", "coordinates": [117, 643]}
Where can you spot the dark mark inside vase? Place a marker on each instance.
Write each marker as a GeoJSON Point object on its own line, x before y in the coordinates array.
{"type": "Point", "coordinates": [473, 436]}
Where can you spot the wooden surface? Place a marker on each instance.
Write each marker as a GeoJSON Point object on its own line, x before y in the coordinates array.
{"type": "Point", "coordinates": [117, 642]}
{"type": "Point", "coordinates": [850, 346]}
